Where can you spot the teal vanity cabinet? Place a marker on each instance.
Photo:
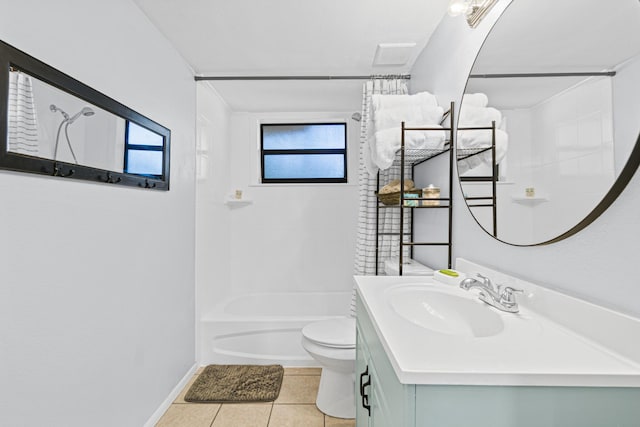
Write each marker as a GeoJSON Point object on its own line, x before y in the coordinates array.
{"type": "Point", "coordinates": [382, 401]}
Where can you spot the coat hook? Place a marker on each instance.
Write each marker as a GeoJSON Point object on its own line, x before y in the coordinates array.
{"type": "Point", "coordinates": [110, 179]}
{"type": "Point", "coordinates": [57, 171]}
{"type": "Point", "coordinates": [146, 184]}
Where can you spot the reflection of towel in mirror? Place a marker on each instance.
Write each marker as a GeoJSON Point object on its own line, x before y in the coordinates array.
{"type": "Point", "coordinates": [475, 100]}
{"type": "Point", "coordinates": [22, 129]}
{"type": "Point", "coordinates": [479, 116]}
{"type": "Point", "coordinates": [475, 113]}
{"type": "Point", "coordinates": [478, 139]}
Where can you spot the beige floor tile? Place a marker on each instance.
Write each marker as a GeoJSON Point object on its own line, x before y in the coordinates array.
{"type": "Point", "coordinates": [180, 398]}
{"type": "Point", "coordinates": [296, 416]}
{"type": "Point", "coordinates": [245, 415]}
{"type": "Point", "coordinates": [189, 415]}
{"type": "Point", "coordinates": [302, 371]}
{"type": "Point", "coordinates": [338, 422]}
{"type": "Point", "coordinates": [298, 389]}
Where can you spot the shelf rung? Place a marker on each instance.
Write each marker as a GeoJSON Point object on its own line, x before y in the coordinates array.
{"type": "Point", "coordinates": [478, 198]}
{"type": "Point", "coordinates": [476, 178]}
{"type": "Point", "coordinates": [416, 207]}
{"type": "Point", "coordinates": [429, 128]}
{"type": "Point", "coordinates": [424, 244]}
{"type": "Point", "coordinates": [476, 128]}
{"type": "Point", "coordinates": [480, 206]}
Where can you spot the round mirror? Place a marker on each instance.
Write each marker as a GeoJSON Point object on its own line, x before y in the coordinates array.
{"type": "Point", "coordinates": [548, 127]}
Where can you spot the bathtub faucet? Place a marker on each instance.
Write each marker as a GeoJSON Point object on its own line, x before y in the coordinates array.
{"type": "Point", "coordinates": [500, 297]}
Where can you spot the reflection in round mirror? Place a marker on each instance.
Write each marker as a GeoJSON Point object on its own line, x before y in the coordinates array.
{"type": "Point", "coordinates": [561, 81]}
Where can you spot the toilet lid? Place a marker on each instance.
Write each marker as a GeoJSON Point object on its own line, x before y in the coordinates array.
{"type": "Point", "coordinates": [339, 333]}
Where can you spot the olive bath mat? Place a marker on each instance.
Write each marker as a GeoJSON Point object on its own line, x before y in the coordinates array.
{"type": "Point", "coordinates": [236, 383]}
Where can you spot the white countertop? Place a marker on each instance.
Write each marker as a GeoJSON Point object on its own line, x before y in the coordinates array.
{"type": "Point", "coordinates": [531, 350]}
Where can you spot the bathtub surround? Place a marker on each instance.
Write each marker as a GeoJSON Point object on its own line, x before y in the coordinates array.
{"type": "Point", "coordinates": [598, 263]}
{"type": "Point", "coordinates": [266, 327]}
{"type": "Point", "coordinates": [97, 294]}
{"type": "Point", "coordinates": [292, 239]}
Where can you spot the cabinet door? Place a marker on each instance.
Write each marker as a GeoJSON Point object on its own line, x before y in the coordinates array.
{"type": "Point", "coordinates": [362, 377]}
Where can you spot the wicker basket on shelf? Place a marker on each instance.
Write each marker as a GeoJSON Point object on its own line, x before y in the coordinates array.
{"type": "Point", "coordinates": [392, 199]}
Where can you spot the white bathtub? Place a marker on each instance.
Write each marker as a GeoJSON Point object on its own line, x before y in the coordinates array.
{"type": "Point", "coordinates": [266, 328]}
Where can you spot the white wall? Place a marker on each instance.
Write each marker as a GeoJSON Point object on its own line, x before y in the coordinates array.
{"type": "Point", "coordinates": [599, 262]}
{"type": "Point", "coordinates": [293, 237]}
{"type": "Point", "coordinates": [97, 289]}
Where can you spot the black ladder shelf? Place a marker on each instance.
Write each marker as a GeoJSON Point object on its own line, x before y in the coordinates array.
{"type": "Point", "coordinates": [413, 158]}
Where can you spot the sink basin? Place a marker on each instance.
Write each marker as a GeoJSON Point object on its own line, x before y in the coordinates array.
{"type": "Point", "coordinates": [442, 311]}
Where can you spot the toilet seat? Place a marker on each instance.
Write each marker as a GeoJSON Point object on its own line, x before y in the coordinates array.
{"type": "Point", "coordinates": [334, 333]}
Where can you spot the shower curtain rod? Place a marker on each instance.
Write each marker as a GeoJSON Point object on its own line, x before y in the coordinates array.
{"type": "Point", "coordinates": [247, 78]}
{"type": "Point", "coordinates": [516, 75]}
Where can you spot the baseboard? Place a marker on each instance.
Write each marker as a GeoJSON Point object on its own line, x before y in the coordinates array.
{"type": "Point", "coordinates": [151, 422]}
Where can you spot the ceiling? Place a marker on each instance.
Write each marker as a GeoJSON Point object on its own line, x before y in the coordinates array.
{"type": "Point", "coordinates": [292, 37]}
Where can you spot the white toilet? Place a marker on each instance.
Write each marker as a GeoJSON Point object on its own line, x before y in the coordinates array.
{"type": "Point", "coordinates": [332, 343]}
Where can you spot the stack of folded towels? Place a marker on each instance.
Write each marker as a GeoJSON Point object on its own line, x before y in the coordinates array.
{"type": "Point", "coordinates": [389, 111]}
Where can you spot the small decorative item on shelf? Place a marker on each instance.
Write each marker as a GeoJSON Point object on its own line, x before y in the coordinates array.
{"type": "Point", "coordinates": [412, 203]}
{"type": "Point", "coordinates": [389, 195]}
{"type": "Point", "coordinates": [391, 199]}
{"type": "Point", "coordinates": [431, 192]}
{"type": "Point", "coordinates": [238, 194]}
{"type": "Point", "coordinates": [530, 192]}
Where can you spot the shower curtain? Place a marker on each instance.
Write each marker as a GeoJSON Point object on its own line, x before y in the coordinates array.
{"type": "Point", "coordinates": [389, 219]}
{"type": "Point", "coordinates": [22, 132]}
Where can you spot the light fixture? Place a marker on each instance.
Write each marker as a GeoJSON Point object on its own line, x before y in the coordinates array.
{"type": "Point", "coordinates": [474, 10]}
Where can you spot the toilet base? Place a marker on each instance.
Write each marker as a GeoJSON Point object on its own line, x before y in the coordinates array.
{"type": "Point", "coordinates": [336, 394]}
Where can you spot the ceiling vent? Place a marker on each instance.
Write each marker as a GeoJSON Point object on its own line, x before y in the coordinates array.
{"type": "Point", "coordinates": [393, 53]}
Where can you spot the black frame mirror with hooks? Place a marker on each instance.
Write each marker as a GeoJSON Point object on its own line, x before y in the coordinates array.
{"type": "Point", "coordinates": [116, 146]}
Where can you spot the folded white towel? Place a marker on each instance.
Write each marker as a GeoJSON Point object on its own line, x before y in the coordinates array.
{"type": "Point", "coordinates": [479, 116]}
{"type": "Point", "coordinates": [475, 100]}
{"type": "Point", "coordinates": [392, 101]}
{"type": "Point", "coordinates": [478, 139]}
{"type": "Point", "coordinates": [388, 112]}
{"type": "Point", "coordinates": [421, 115]}
{"type": "Point", "coordinates": [386, 143]}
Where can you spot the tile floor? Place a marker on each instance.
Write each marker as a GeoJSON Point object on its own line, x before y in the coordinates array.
{"type": "Point", "coordinates": [295, 407]}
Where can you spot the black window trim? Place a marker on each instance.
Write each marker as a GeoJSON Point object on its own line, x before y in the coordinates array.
{"type": "Point", "coordinates": [139, 147]}
{"type": "Point", "coordinates": [342, 151]}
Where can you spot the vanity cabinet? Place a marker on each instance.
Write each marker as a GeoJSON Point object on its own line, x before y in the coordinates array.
{"type": "Point", "coordinates": [393, 404]}
{"type": "Point", "coordinates": [389, 402]}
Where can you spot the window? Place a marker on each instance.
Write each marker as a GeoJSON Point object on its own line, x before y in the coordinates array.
{"type": "Point", "coordinates": [304, 152]}
{"type": "Point", "coordinates": [143, 151]}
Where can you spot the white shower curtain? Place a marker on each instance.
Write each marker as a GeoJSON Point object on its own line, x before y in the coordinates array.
{"type": "Point", "coordinates": [22, 132]}
{"type": "Point", "coordinates": [389, 219]}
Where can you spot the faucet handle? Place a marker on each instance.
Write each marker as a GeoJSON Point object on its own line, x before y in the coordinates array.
{"type": "Point", "coordinates": [486, 281]}
{"type": "Point", "coordinates": [507, 295]}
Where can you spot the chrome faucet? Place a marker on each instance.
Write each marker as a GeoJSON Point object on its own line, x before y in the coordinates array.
{"type": "Point", "coordinates": [500, 297]}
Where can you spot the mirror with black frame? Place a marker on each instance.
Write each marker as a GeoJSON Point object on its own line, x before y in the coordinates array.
{"type": "Point", "coordinates": [561, 82]}
{"type": "Point", "coordinates": [54, 125]}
